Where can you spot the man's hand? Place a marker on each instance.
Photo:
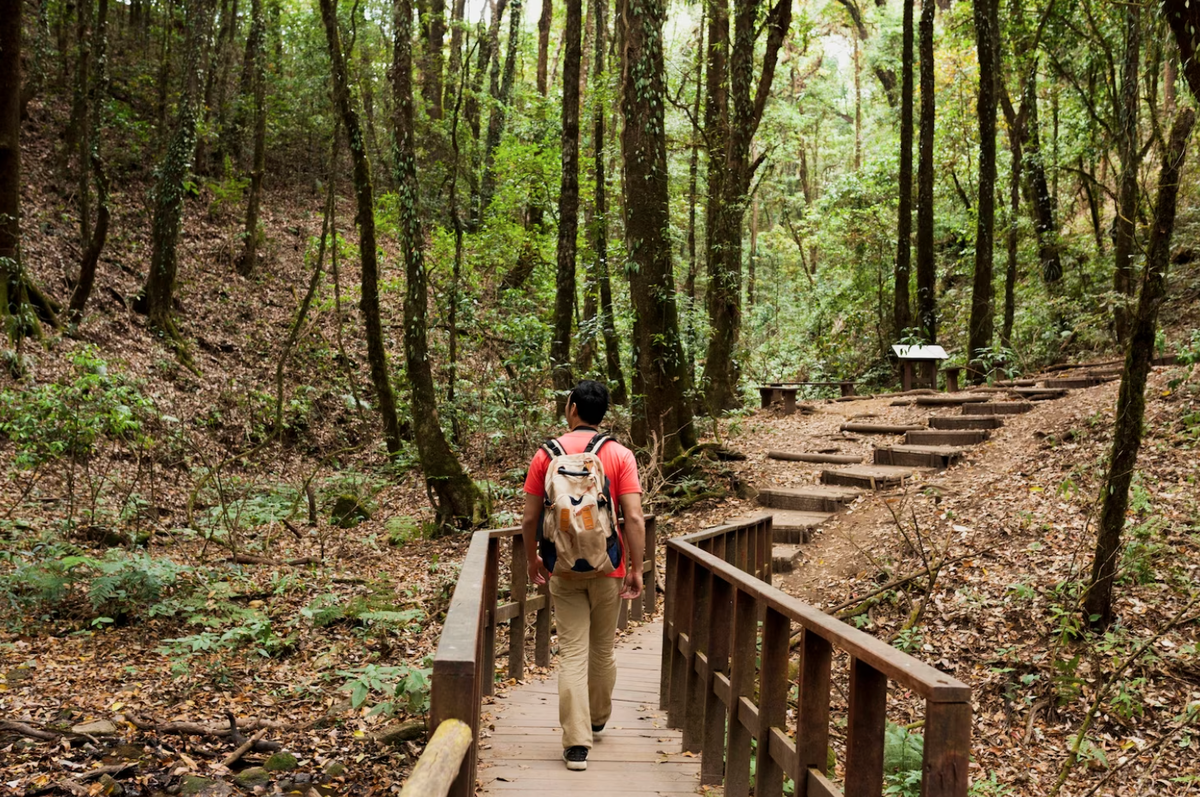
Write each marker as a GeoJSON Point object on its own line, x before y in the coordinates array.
{"type": "Point", "coordinates": [538, 573]}
{"type": "Point", "coordinates": [632, 588]}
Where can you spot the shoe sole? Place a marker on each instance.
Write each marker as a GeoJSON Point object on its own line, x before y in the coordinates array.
{"type": "Point", "coordinates": [576, 766]}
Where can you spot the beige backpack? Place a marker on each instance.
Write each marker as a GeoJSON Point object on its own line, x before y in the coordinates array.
{"type": "Point", "coordinates": [579, 521]}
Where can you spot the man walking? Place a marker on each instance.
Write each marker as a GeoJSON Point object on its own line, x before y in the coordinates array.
{"type": "Point", "coordinates": [586, 604]}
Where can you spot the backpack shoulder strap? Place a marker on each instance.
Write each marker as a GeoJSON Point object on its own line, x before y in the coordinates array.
{"type": "Point", "coordinates": [597, 442]}
{"type": "Point", "coordinates": [553, 449]}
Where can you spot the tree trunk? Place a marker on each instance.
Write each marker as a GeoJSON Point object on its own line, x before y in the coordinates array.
{"type": "Point", "coordinates": [724, 298]}
{"type": "Point", "coordinates": [1044, 211]}
{"type": "Point", "coordinates": [982, 310]}
{"type": "Point", "coordinates": [249, 257]}
{"type": "Point", "coordinates": [543, 59]}
{"type": "Point", "coordinates": [1131, 401]}
{"type": "Point", "coordinates": [457, 500]}
{"type": "Point", "coordinates": [926, 267]}
{"type": "Point", "coordinates": [454, 71]}
{"type": "Point", "coordinates": [10, 159]}
{"type": "Point", "coordinates": [167, 198]}
{"type": "Point", "coordinates": [94, 245]}
{"type": "Point", "coordinates": [1124, 226]}
{"type": "Point", "coordinates": [901, 306]}
{"type": "Point", "coordinates": [612, 344]}
{"type": "Point", "coordinates": [568, 207]}
{"type": "Point", "coordinates": [1014, 215]}
{"type": "Point", "coordinates": [660, 406]}
{"type": "Point", "coordinates": [501, 92]}
{"type": "Point", "coordinates": [431, 63]}
{"type": "Point", "coordinates": [693, 182]}
{"type": "Point", "coordinates": [364, 195]}
{"type": "Point", "coordinates": [716, 133]}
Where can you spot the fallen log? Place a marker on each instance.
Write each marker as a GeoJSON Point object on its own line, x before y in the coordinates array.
{"type": "Point", "coordinates": [28, 730]}
{"type": "Point", "coordinates": [196, 729]}
{"type": "Point", "coordinates": [835, 459]}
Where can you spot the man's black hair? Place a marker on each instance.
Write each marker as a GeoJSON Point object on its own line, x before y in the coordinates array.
{"type": "Point", "coordinates": [591, 401]}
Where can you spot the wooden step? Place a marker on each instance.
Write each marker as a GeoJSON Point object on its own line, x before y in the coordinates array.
{"type": "Point", "coordinates": [939, 457]}
{"type": "Point", "coordinates": [867, 477]}
{"type": "Point", "coordinates": [947, 437]}
{"type": "Point", "coordinates": [997, 408]}
{"type": "Point", "coordinates": [952, 400]}
{"type": "Point", "coordinates": [965, 421]}
{"type": "Point", "coordinates": [794, 528]}
{"type": "Point", "coordinates": [784, 558]}
{"type": "Point", "coordinates": [1016, 382]}
{"type": "Point", "coordinates": [814, 498]}
{"type": "Point", "coordinates": [879, 428]}
{"type": "Point", "coordinates": [805, 456]}
{"type": "Point", "coordinates": [1075, 382]}
{"type": "Point", "coordinates": [1039, 393]}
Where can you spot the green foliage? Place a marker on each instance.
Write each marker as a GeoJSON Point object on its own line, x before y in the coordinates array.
{"type": "Point", "coordinates": [401, 688]}
{"type": "Point", "coordinates": [902, 751]}
{"type": "Point", "coordinates": [67, 419]}
{"type": "Point", "coordinates": [1189, 352]}
{"type": "Point", "coordinates": [228, 193]}
{"type": "Point", "coordinates": [375, 611]}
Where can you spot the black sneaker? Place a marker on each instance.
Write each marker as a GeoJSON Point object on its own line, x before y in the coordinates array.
{"type": "Point", "coordinates": [598, 728]}
{"type": "Point", "coordinates": [576, 757]}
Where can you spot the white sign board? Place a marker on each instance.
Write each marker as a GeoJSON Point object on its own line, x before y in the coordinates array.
{"type": "Point", "coordinates": [920, 352]}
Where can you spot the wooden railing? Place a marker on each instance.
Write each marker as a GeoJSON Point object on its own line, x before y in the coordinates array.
{"type": "Point", "coordinates": [464, 667]}
{"type": "Point", "coordinates": [726, 684]}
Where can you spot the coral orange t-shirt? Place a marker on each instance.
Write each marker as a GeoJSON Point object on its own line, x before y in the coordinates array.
{"type": "Point", "coordinates": [620, 468]}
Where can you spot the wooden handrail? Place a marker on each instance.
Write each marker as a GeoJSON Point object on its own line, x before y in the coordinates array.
{"type": "Point", "coordinates": [438, 765]}
{"type": "Point", "coordinates": [716, 660]}
{"type": "Point", "coordinates": [464, 666]}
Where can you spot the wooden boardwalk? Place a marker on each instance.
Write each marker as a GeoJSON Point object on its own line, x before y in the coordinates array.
{"type": "Point", "coordinates": [636, 755]}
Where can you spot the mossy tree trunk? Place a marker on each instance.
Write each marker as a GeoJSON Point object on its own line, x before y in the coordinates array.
{"type": "Point", "coordinates": [501, 91]}
{"type": "Point", "coordinates": [10, 158]}
{"type": "Point", "coordinates": [901, 304]}
{"type": "Point", "coordinates": [364, 195]}
{"type": "Point", "coordinates": [158, 293]}
{"type": "Point", "coordinates": [1125, 224]}
{"type": "Point", "coordinates": [747, 101]}
{"type": "Point", "coordinates": [1131, 401]}
{"type": "Point", "coordinates": [926, 266]}
{"type": "Point", "coordinates": [568, 207]}
{"type": "Point", "coordinates": [455, 496]}
{"type": "Point", "coordinates": [661, 385]}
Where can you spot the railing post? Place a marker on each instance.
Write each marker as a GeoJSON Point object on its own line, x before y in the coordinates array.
{"type": "Point", "coordinates": [741, 684]}
{"type": "Point", "coordinates": [541, 629]}
{"type": "Point", "coordinates": [685, 596]}
{"type": "Point", "coordinates": [947, 747]}
{"type": "Point", "coordinates": [693, 723]}
{"type": "Point", "coordinates": [650, 574]}
{"type": "Point", "coordinates": [516, 626]}
{"type": "Point", "coordinates": [712, 760]}
{"type": "Point", "coordinates": [668, 643]}
{"type": "Point", "coordinates": [491, 578]}
{"type": "Point", "coordinates": [812, 715]}
{"type": "Point", "coordinates": [772, 701]}
{"type": "Point", "coordinates": [865, 730]}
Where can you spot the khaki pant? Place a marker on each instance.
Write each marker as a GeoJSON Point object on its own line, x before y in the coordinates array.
{"type": "Point", "coordinates": [585, 612]}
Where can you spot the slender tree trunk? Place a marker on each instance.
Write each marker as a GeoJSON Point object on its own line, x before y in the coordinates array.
{"type": "Point", "coordinates": [454, 70]}
{"type": "Point", "coordinates": [926, 267]}
{"type": "Point", "coordinates": [10, 161]}
{"type": "Point", "coordinates": [94, 245]}
{"type": "Point", "coordinates": [1131, 401]}
{"type": "Point", "coordinates": [543, 61]}
{"type": "Point", "coordinates": [489, 47]}
{"type": "Point", "coordinates": [660, 406]}
{"type": "Point", "coordinates": [1124, 227]}
{"type": "Point", "coordinates": [457, 500]}
{"type": "Point", "coordinates": [1044, 211]}
{"type": "Point", "coordinates": [716, 130]}
{"type": "Point", "coordinates": [982, 308]}
{"type": "Point", "coordinates": [568, 207]}
{"type": "Point", "coordinates": [858, 142]}
{"type": "Point", "coordinates": [693, 182]}
{"type": "Point", "coordinates": [364, 195]}
{"type": "Point", "coordinates": [747, 102]}
{"type": "Point", "coordinates": [901, 307]}
{"type": "Point", "coordinates": [244, 103]}
{"type": "Point", "coordinates": [167, 198]}
{"type": "Point", "coordinates": [1012, 237]}
{"type": "Point", "coordinates": [501, 92]}
{"type": "Point", "coordinates": [249, 257]}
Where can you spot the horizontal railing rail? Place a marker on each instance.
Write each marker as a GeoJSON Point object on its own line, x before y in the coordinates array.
{"type": "Point", "coordinates": [464, 666]}
{"type": "Point", "coordinates": [727, 637]}
{"type": "Point", "coordinates": [439, 764]}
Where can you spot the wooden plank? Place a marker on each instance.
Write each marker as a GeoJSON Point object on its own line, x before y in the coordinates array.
{"type": "Point", "coordinates": [947, 750]}
{"type": "Point", "coordinates": [879, 428]}
{"type": "Point", "coordinates": [997, 408]}
{"type": "Point", "coordinates": [805, 456]}
{"type": "Point", "coordinates": [865, 730]}
{"type": "Point", "coordinates": [519, 573]}
{"type": "Point", "coordinates": [965, 422]}
{"type": "Point", "coordinates": [741, 680]}
{"type": "Point", "coordinates": [772, 700]}
{"type": "Point", "coordinates": [821, 786]}
{"type": "Point", "coordinates": [820, 498]}
{"type": "Point", "coordinates": [812, 715]}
